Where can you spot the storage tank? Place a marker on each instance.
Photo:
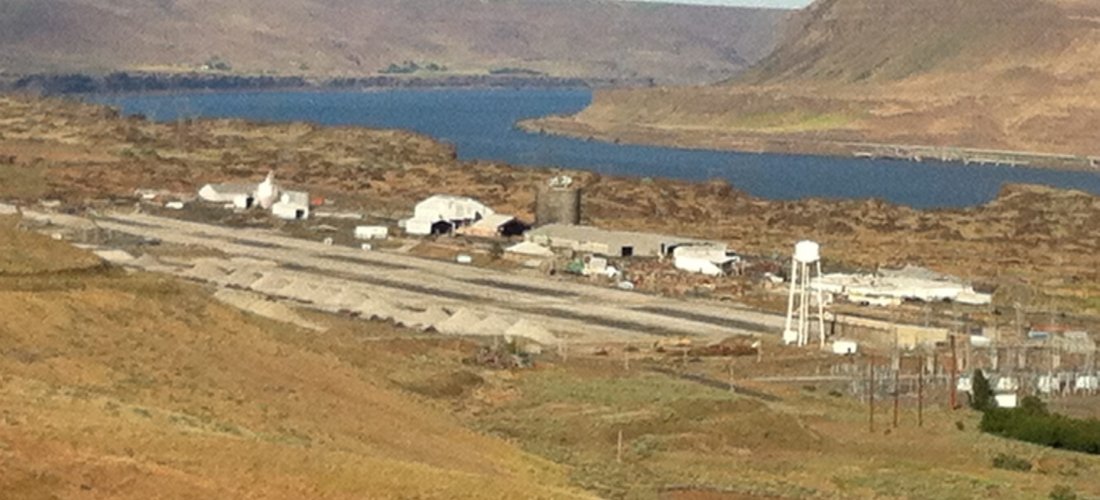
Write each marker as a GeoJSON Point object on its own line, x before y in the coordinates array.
{"type": "Point", "coordinates": [558, 203]}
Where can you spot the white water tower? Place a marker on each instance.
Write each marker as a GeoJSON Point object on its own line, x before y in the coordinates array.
{"type": "Point", "coordinates": [807, 257]}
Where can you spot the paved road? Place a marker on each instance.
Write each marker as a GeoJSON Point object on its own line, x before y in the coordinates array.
{"type": "Point", "coordinates": [576, 311]}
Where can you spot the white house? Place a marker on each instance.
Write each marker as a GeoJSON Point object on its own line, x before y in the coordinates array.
{"type": "Point", "coordinates": [443, 213]}
{"type": "Point", "coordinates": [292, 205]}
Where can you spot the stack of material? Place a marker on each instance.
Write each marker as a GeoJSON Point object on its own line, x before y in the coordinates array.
{"type": "Point", "coordinates": [260, 306]}
{"type": "Point", "coordinates": [531, 331]}
{"type": "Point", "coordinates": [150, 263]}
{"type": "Point", "coordinates": [114, 256]}
{"type": "Point", "coordinates": [208, 270]}
{"type": "Point", "coordinates": [423, 320]}
{"type": "Point", "coordinates": [273, 284]}
{"type": "Point", "coordinates": [243, 277]}
{"type": "Point", "coordinates": [374, 309]}
{"type": "Point", "coordinates": [460, 323]}
{"type": "Point", "coordinates": [491, 326]}
{"type": "Point", "coordinates": [345, 300]}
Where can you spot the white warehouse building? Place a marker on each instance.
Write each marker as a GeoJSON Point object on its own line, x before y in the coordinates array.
{"type": "Point", "coordinates": [711, 260]}
{"type": "Point", "coordinates": [443, 213]}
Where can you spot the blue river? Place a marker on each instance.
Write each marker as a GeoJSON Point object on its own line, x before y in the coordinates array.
{"type": "Point", "coordinates": [481, 124]}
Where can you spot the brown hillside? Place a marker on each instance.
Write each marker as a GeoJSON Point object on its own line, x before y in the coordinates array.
{"type": "Point", "coordinates": [135, 386]}
{"type": "Point", "coordinates": [1011, 74]}
{"type": "Point", "coordinates": [355, 37]}
{"type": "Point", "coordinates": [868, 40]}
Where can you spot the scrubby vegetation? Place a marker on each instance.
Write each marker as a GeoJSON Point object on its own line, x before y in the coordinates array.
{"type": "Point", "coordinates": [1011, 462]}
{"type": "Point", "coordinates": [1034, 423]}
{"type": "Point", "coordinates": [515, 71]}
{"type": "Point", "coordinates": [408, 67]}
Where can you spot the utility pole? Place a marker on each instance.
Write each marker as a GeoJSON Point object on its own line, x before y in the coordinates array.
{"type": "Point", "coordinates": [920, 397]}
{"type": "Point", "coordinates": [871, 396]}
{"type": "Point", "coordinates": [897, 390]}
{"type": "Point", "coordinates": [954, 376]}
{"type": "Point", "coordinates": [619, 448]}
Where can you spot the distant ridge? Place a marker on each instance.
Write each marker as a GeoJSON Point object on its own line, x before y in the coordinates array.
{"type": "Point", "coordinates": [565, 38]}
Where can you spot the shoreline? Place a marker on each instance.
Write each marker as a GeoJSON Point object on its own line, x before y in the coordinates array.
{"type": "Point", "coordinates": [765, 143]}
{"type": "Point", "coordinates": [131, 83]}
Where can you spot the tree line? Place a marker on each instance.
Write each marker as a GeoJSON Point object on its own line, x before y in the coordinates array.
{"type": "Point", "coordinates": [1033, 422]}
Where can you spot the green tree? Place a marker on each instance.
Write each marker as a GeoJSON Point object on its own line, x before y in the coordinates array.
{"type": "Point", "coordinates": [982, 399]}
{"type": "Point", "coordinates": [1032, 405]}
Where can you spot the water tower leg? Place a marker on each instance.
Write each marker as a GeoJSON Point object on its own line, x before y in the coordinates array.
{"type": "Point", "coordinates": [820, 309]}
{"type": "Point", "coordinates": [804, 316]}
{"type": "Point", "coordinates": [790, 299]}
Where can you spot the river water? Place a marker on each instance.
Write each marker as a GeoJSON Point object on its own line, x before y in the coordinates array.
{"type": "Point", "coordinates": [481, 124]}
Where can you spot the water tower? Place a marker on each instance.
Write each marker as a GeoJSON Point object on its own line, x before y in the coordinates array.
{"type": "Point", "coordinates": [558, 202]}
{"type": "Point", "coordinates": [807, 258]}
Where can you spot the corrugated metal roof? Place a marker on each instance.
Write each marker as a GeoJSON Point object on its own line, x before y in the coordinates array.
{"type": "Point", "coordinates": [233, 188]}
{"type": "Point", "coordinates": [642, 242]}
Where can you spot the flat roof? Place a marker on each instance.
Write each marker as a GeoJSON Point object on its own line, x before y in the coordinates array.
{"type": "Point", "coordinates": [611, 238]}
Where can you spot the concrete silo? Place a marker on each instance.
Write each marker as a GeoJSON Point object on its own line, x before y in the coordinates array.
{"type": "Point", "coordinates": [558, 203]}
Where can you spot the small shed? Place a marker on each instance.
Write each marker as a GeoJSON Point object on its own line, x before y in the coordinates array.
{"type": "Point", "coordinates": [292, 205]}
{"type": "Point", "coordinates": [845, 347]}
{"type": "Point", "coordinates": [1006, 400]}
{"type": "Point", "coordinates": [372, 232]}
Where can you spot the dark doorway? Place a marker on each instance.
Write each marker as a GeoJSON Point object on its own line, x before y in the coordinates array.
{"type": "Point", "coordinates": [628, 251]}
{"type": "Point", "coordinates": [513, 228]}
{"type": "Point", "coordinates": [442, 227]}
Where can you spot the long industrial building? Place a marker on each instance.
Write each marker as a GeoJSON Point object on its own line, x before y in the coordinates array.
{"type": "Point", "coordinates": [610, 243]}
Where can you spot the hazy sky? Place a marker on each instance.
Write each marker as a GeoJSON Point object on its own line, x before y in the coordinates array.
{"type": "Point", "coordinates": [790, 4]}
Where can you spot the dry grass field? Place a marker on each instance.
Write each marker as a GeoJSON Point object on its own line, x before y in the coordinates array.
{"type": "Point", "coordinates": [130, 385]}
{"type": "Point", "coordinates": [118, 385]}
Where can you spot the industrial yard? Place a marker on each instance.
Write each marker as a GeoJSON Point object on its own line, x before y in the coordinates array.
{"type": "Point", "coordinates": [628, 355]}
